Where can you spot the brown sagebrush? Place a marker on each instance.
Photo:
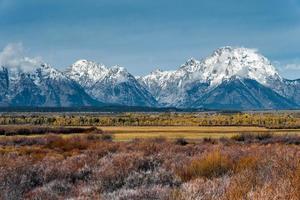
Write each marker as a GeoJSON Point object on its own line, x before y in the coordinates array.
{"type": "Point", "coordinates": [181, 141]}
{"type": "Point", "coordinates": [67, 144]}
{"type": "Point", "coordinates": [85, 166]}
{"type": "Point", "coordinates": [213, 164]}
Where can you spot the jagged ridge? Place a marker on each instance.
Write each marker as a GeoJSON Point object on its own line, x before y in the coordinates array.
{"type": "Point", "coordinates": [231, 78]}
{"type": "Point", "coordinates": [114, 85]}
{"type": "Point", "coordinates": [45, 86]}
{"type": "Point", "coordinates": [194, 79]}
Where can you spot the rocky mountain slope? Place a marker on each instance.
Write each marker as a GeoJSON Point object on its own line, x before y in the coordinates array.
{"type": "Point", "coordinates": [192, 83]}
{"type": "Point", "coordinates": [230, 78]}
{"type": "Point", "coordinates": [113, 85]}
{"type": "Point", "coordinates": [45, 86]}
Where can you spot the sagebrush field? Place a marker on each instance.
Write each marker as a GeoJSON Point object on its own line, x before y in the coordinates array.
{"type": "Point", "coordinates": [47, 161]}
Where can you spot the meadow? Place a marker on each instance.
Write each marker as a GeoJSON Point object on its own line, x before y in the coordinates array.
{"type": "Point", "coordinates": [128, 133]}
{"type": "Point", "coordinates": [74, 157]}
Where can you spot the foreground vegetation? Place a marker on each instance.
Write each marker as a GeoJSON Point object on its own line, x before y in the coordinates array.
{"type": "Point", "coordinates": [168, 156]}
{"type": "Point", "coordinates": [42, 130]}
{"type": "Point", "coordinates": [92, 166]}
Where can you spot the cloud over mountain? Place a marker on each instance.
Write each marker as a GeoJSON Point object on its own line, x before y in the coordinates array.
{"type": "Point", "coordinates": [13, 56]}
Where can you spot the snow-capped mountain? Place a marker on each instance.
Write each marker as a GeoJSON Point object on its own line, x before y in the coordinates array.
{"type": "Point", "coordinates": [193, 81]}
{"type": "Point", "coordinates": [113, 85]}
{"type": "Point", "coordinates": [287, 88]}
{"type": "Point", "coordinates": [230, 78]}
{"type": "Point", "coordinates": [44, 86]}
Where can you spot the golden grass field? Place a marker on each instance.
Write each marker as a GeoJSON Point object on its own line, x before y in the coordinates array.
{"type": "Point", "coordinates": [124, 133]}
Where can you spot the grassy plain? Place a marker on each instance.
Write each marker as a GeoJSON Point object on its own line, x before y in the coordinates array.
{"type": "Point", "coordinates": [126, 133]}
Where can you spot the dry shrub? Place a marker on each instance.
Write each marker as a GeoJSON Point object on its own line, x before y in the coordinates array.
{"type": "Point", "coordinates": [181, 141]}
{"type": "Point", "coordinates": [86, 167]}
{"type": "Point", "coordinates": [176, 194]}
{"type": "Point", "coordinates": [252, 137]}
{"type": "Point", "coordinates": [67, 144]}
{"type": "Point", "coordinates": [263, 136]}
{"type": "Point", "coordinates": [53, 190]}
{"type": "Point", "coordinates": [28, 130]}
{"type": "Point", "coordinates": [101, 148]}
{"type": "Point", "coordinates": [212, 165]}
{"type": "Point", "coordinates": [157, 176]}
{"type": "Point", "coordinates": [296, 182]}
{"type": "Point", "coordinates": [107, 137]}
{"type": "Point", "coordinates": [266, 138]}
{"type": "Point", "coordinates": [281, 189]}
{"type": "Point", "coordinates": [287, 139]}
{"type": "Point", "coordinates": [35, 153]}
{"type": "Point", "coordinates": [155, 193]}
{"type": "Point", "coordinates": [19, 177]}
{"type": "Point", "coordinates": [22, 141]}
{"type": "Point", "coordinates": [159, 139]}
{"type": "Point", "coordinates": [150, 146]}
{"type": "Point", "coordinates": [132, 170]}
{"type": "Point", "coordinates": [93, 137]}
{"type": "Point", "coordinates": [209, 140]}
{"type": "Point", "coordinates": [241, 184]}
{"type": "Point", "coordinates": [99, 137]}
{"type": "Point", "coordinates": [246, 163]}
{"type": "Point", "coordinates": [203, 189]}
{"type": "Point", "coordinates": [260, 171]}
{"type": "Point", "coordinates": [115, 169]}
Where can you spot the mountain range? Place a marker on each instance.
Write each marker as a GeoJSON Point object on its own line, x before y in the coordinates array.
{"type": "Point", "coordinates": [230, 78]}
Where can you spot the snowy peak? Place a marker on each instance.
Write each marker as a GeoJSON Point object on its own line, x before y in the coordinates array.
{"type": "Point", "coordinates": [156, 79]}
{"type": "Point", "coordinates": [191, 65]}
{"type": "Point", "coordinates": [87, 66]}
{"type": "Point", "coordinates": [197, 77]}
{"type": "Point", "coordinates": [118, 71]}
{"type": "Point", "coordinates": [227, 62]}
{"type": "Point", "coordinates": [119, 74]}
{"type": "Point", "coordinates": [157, 74]}
{"type": "Point", "coordinates": [46, 71]}
{"type": "Point", "coordinates": [113, 85]}
{"type": "Point", "coordinates": [40, 72]}
{"type": "Point", "coordinates": [86, 72]}
{"type": "Point", "coordinates": [224, 63]}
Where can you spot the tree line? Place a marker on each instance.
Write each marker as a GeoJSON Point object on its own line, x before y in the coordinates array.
{"type": "Point", "coordinates": [270, 120]}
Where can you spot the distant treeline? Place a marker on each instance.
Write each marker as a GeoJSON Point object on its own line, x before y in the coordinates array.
{"type": "Point", "coordinates": [275, 120]}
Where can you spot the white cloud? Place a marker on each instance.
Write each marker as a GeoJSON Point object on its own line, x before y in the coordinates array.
{"type": "Point", "coordinates": [288, 65]}
{"type": "Point", "coordinates": [293, 66]}
{"type": "Point", "coordinates": [12, 56]}
{"type": "Point", "coordinates": [289, 68]}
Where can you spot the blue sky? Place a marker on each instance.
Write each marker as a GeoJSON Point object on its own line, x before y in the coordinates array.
{"type": "Point", "coordinates": [142, 35]}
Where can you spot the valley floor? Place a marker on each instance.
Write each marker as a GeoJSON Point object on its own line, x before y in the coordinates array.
{"type": "Point", "coordinates": [92, 166]}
